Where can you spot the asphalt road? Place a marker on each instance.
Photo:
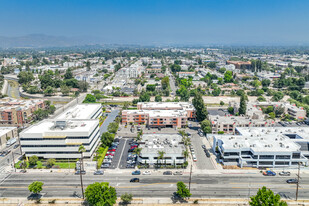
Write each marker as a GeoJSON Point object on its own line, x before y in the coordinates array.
{"type": "Point", "coordinates": [12, 90]}
{"type": "Point", "coordinates": [118, 153]}
{"type": "Point", "coordinates": [110, 118]}
{"type": "Point", "coordinates": [204, 186]}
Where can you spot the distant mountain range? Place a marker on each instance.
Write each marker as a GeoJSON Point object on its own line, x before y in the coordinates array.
{"type": "Point", "coordinates": [42, 40]}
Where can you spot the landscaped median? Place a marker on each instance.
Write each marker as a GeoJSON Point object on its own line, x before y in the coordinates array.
{"type": "Point", "coordinates": [100, 156]}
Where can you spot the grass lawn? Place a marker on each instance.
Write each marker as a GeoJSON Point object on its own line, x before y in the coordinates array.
{"type": "Point", "coordinates": [66, 165]}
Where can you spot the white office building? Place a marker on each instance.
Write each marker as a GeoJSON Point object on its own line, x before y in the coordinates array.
{"type": "Point", "coordinates": [61, 138]}
{"type": "Point", "coordinates": [170, 144]}
{"type": "Point", "coordinates": [263, 147]}
{"type": "Point", "coordinates": [82, 111]}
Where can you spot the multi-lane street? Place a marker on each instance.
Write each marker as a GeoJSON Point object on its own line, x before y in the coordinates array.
{"type": "Point", "coordinates": [203, 186]}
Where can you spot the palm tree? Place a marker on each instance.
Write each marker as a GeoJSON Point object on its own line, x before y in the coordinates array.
{"type": "Point", "coordinates": [137, 150]}
{"type": "Point", "coordinates": [185, 153]}
{"type": "Point", "coordinates": [182, 133]}
{"type": "Point", "coordinates": [186, 141]}
{"type": "Point", "coordinates": [81, 149]}
{"type": "Point", "coordinates": [161, 155]}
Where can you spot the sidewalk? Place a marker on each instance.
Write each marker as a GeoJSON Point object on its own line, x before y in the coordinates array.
{"type": "Point", "coordinates": [22, 201]}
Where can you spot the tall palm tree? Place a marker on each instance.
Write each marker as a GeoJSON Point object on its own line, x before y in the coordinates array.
{"type": "Point", "coordinates": [185, 153]}
{"type": "Point", "coordinates": [81, 149]}
{"type": "Point", "coordinates": [161, 155]}
{"type": "Point", "coordinates": [137, 151]}
{"type": "Point", "coordinates": [182, 133]}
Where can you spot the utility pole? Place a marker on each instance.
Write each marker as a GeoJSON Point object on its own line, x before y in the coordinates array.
{"type": "Point", "coordinates": [190, 179]}
{"type": "Point", "coordinates": [13, 160]}
{"type": "Point", "coordinates": [297, 181]}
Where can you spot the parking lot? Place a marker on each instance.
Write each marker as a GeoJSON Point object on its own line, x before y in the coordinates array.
{"type": "Point", "coordinates": [118, 153]}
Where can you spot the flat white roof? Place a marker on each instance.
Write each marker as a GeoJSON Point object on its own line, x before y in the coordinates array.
{"type": "Point", "coordinates": [80, 111]}
{"type": "Point", "coordinates": [167, 105]}
{"type": "Point", "coordinates": [4, 130]}
{"type": "Point", "coordinates": [48, 128]}
{"type": "Point", "coordinates": [158, 113]}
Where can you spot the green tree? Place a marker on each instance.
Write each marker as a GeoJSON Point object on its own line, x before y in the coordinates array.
{"type": "Point", "coordinates": [261, 99]}
{"type": "Point", "coordinates": [68, 74]}
{"type": "Point", "coordinates": [65, 90]}
{"type": "Point", "coordinates": [182, 190]}
{"type": "Point", "coordinates": [230, 110]}
{"type": "Point", "coordinates": [221, 103]}
{"type": "Point", "coordinates": [200, 108]}
{"type": "Point", "coordinates": [228, 76]}
{"type": "Point", "coordinates": [33, 160]}
{"type": "Point", "coordinates": [112, 127]}
{"type": "Point", "coordinates": [51, 162]}
{"type": "Point", "coordinates": [206, 126]}
{"type": "Point", "coordinates": [158, 98]}
{"type": "Point", "coordinates": [49, 91]}
{"type": "Point", "coordinates": [25, 77]}
{"type": "Point", "coordinates": [144, 97]}
{"type": "Point", "coordinates": [243, 105]}
{"type": "Point", "coordinates": [266, 197]}
{"type": "Point", "coordinates": [101, 194]}
{"type": "Point", "coordinates": [89, 99]}
{"type": "Point", "coordinates": [126, 198]}
{"type": "Point", "coordinates": [107, 139]}
{"type": "Point", "coordinates": [36, 187]}
{"type": "Point", "coordinates": [165, 82]}
{"type": "Point", "coordinates": [222, 70]}
{"type": "Point", "coordinates": [277, 96]}
{"type": "Point", "coordinates": [265, 82]}
{"type": "Point", "coordinates": [183, 93]}
{"type": "Point", "coordinates": [272, 115]}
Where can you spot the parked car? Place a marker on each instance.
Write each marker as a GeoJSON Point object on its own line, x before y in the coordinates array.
{"type": "Point", "coordinates": [105, 165]}
{"type": "Point", "coordinates": [178, 173]}
{"type": "Point", "coordinates": [167, 173]}
{"type": "Point", "coordinates": [134, 180]}
{"type": "Point", "coordinates": [201, 134]}
{"type": "Point", "coordinates": [283, 173]}
{"type": "Point", "coordinates": [78, 172]}
{"type": "Point", "coordinates": [130, 166]}
{"type": "Point", "coordinates": [194, 159]}
{"type": "Point", "coordinates": [136, 172]}
{"type": "Point", "coordinates": [147, 173]}
{"type": "Point", "coordinates": [203, 146]}
{"type": "Point", "coordinates": [269, 173]}
{"type": "Point", "coordinates": [292, 181]}
{"type": "Point", "coordinates": [98, 172]}
{"type": "Point", "coordinates": [207, 153]}
{"type": "Point", "coordinates": [23, 171]}
{"type": "Point", "coordinates": [15, 146]}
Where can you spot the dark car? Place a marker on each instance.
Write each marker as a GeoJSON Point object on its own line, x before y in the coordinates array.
{"type": "Point", "coordinates": [292, 181]}
{"type": "Point", "coordinates": [98, 172]}
{"type": "Point", "coordinates": [136, 172]}
{"type": "Point", "coordinates": [130, 166]}
{"type": "Point", "coordinates": [203, 146]}
{"type": "Point", "coordinates": [15, 146]}
{"type": "Point", "coordinates": [134, 180]}
{"type": "Point", "coordinates": [167, 173]}
{"type": "Point", "coordinates": [207, 153]}
{"type": "Point", "coordinates": [78, 172]}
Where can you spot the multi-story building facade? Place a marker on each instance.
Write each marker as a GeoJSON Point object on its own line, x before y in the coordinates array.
{"type": "Point", "coordinates": [60, 139]}
{"type": "Point", "coordinates": [170, 144]}
{"type": "Point", "coordinates": [18, 112]}
{"type": "Point", "coordinates": [163, 114]}
{"type": "Point", "coordinates": [263, 147]}
{"type": "Point", "coordinates": [229, 123]}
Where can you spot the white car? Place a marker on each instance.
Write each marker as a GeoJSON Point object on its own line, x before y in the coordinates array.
{"type": "Point", "coordinates": [147, 173]}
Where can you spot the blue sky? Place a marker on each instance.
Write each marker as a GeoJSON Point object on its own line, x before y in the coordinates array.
{"type": "Point", "coordinates": [161, 21]}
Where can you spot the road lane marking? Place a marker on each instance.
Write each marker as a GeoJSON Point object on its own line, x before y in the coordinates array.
{"type": "Point", "coordinates": [120, 158]}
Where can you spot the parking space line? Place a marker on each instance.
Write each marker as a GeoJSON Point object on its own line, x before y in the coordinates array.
{"type": "Point", "coordinates": [124, 146]}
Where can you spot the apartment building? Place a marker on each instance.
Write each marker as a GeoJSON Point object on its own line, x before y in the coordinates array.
{"type": "Point", "coordinates": [170, 144]}
{"type": "Point", "coordinates": [61, 138]}
{"type": "Point", "coordinates": [263, 147]}
{"type": "Point", "coordinates": [229, 123]}
{"type": "Point", "coordinates": [18, 112]}
{"type": "Point", "coordinates": [186, 106]}
{"type": "Point", "coordinates": [240, 64]}
{"type": "Point", "coordinates": [156, 118]}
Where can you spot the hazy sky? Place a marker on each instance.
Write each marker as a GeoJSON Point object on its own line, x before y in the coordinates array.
{"type": "Point", "coordinates": [161, 21]}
